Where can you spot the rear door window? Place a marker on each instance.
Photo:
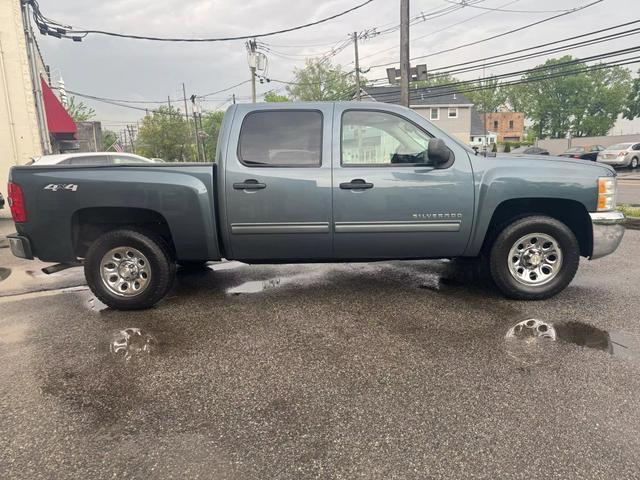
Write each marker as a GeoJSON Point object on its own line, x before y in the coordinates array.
{"type": "Point", "coordinates": [281, 138]}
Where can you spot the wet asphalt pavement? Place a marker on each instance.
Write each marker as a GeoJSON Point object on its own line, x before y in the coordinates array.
{"type": "Point", "coordinates": [388, 370]}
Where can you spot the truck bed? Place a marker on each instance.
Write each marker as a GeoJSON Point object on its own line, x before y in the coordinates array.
{"type": "Point", "coordinates": [65, 202]}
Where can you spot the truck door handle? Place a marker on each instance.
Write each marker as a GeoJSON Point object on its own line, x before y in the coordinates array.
{"type": "Point", "coordinates": [356, 184]}
{"type": "Point", "coordinates": [250, 184]}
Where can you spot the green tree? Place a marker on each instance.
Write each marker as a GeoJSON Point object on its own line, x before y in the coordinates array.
{"type": "Point", "coordinates": [632, 109]}
{"type": "Point", "coordinates": [602, 101]}
{"type": "Point", "coordinates": [79, 111]}
{"type": "Point", "coordinates": [320, 80]}
{"type": "Point", "coordinates": [165, 134]}
{"type": "Point", "coordinates": [515, 97]}
{"type": "Point", "coordinates": [489, 98]}
{"type": "Point", "coordinates": [211, 122]}
{"type": "Point", "coordinates": [586, 103]}
{"type": "Point", "coordinates": [108, 138]}
{"type": "Point", "coordinates": [272, 96]}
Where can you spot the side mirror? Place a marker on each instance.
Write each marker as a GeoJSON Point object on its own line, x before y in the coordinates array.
{"type": "Point", "coordinates": [438, 152]}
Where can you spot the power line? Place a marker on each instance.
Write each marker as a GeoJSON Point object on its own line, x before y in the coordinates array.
{"type": "Point", "coordinates": [498, 9]}
{"type": "Point", "coordinates": [497, 35]}
{"type": "Point", "coordinates": [612, 36]}
{"type": "Point", "coordinates": [59, 30]}
{"type": "Point", "coordinates": [223, 90]}
{"type": "Point", "coordinates": [520, 58]}
{"type": "Point", "coordinates": [433, 32]}
{"type": "Point", "coordinates": [439, 90]}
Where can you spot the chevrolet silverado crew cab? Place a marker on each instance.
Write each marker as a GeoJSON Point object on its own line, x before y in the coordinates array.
{"type": "Point", "coordinates": [318, 182]}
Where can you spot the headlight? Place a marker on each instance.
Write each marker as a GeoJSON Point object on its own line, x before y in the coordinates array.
{"type": "Point", "coordinates": [606, 193]}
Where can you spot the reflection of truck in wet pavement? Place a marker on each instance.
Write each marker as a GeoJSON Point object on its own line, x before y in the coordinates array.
{"type": "Point", "coordinates": [319, 182]}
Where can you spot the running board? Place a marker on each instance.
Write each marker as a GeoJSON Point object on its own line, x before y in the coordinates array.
{"type": "Point", "coordinates": [58, 267]}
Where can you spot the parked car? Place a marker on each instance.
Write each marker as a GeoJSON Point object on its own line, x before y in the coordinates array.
{"type": "Point", "coordinates": [89, 158]}
{"type": "Point", "coordinates": [585, 152]}
{"type": "Point", "coordinates": [621, 155]}
{"type": "Point", "coordinates": [318, 182]}
{"type": "Point", "coordinates": [530, 151]}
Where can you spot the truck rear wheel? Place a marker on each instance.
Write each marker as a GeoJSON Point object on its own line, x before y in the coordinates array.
{"type": "Point", "coordinates": [534, 258]}
{"type": "Point", "coordinates": [129, 270]}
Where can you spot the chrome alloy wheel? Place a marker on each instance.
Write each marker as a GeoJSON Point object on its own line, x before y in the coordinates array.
{"type": "Point", "coordinates": [125, 271]}
{"type": "Point", "coordinates": [535, 259]}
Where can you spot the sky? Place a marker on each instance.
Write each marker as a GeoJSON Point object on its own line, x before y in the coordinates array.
{"type": "Point", "coordinates": [151, 71]}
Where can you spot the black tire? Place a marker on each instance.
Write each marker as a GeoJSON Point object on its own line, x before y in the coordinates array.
{"type": "Point", "coordinates": [500, 256]}
{"type": "Point", "coordinates": [160, 264]}
{"type": "Point", "coordinates": [634, 163]}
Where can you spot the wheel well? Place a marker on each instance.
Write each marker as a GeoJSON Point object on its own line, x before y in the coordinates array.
{"type": "Point", "coordinates": [573, 214]}
{"type": "Point", "coordinates": [88, 224]}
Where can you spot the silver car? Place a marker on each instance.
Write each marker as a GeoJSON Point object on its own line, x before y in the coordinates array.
{"type": "Point", "coordinates": [621, 155]}
{"type": "Point", "coordinates": [89, 158]}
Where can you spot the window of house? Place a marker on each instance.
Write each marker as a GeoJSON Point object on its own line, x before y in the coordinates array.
{"type": "Point", "coordinates": [495, 124]}
{"type": "Point", "coordinates": [510, 124]}
{"type": "Point", "coordinates": [434, 113]}
{"type": "Point", "coordinates": [281, 138]}
{"type": "Point", "coordinates": [378, 138]}
{"type": "Point", "coordinates": [452, 112]}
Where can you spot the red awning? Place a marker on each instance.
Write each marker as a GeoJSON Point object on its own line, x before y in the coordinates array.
{"type": "Point", "coordinates": [58, 120]}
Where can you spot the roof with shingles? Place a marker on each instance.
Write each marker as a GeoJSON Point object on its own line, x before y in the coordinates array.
{"type": "Point", "coordinates": [428, 96]}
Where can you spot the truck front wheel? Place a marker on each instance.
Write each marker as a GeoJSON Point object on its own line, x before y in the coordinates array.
{"type": "Point", "coordinates": [129, 270]}
{"type": "Point", "coordinates": [534, 258]}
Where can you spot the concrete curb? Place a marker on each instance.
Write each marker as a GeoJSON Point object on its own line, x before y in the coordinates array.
{"type": "Point", "coordinates": [632, 223]}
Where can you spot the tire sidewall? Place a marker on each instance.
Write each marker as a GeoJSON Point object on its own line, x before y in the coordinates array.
{"type": "Point", "coordinates": [631, 164]}
{"type": "Point", "coordinates": [499, 257]}
{"type": "Point", "coordinates": [161, 269]}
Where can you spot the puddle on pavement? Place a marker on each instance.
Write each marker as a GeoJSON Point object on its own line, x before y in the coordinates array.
{"type": "Point", "coordinates": [4, 273]}
{"type": "Point", "coordinates": [18, 281]}
{"type": "Point", "coordinates": [528, 338]}
{"type": "Point", "coordinates": [254, 286]}
{"type": "Point", "coordinates": [300, 279]}
{"type": "Point", "coordinates": [96, 305]}
{"type": "Point", "coordinates": [132, 343]}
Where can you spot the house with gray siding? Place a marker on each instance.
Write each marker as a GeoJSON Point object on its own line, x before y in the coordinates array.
{"type": "Point", "coordinates": [450, 111]}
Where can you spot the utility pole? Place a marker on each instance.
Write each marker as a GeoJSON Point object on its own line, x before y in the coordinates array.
{"type": "Point", "coordinates": [404, 53]}
{"type": "Point", "coordinates": [253, 61]}
{"type": "Point", "coordinates": [194, 108]}
{"type": "Point", "coordinates": [35, 79]}
{"type": "Point", "coordinates": [355, 45]}
{"type": "Point", "coordinates": [484, 113]}
{"type": "Point", "coordinates": [234, 98]}
{"type": "Point", "coordinates": [184, 97]}
{"type": "Point", "coordinates": [204, 139]}
{"type": "Point", "coordinates": [130, 130]}
{"type": "Point", "coordinates": [169, 100]}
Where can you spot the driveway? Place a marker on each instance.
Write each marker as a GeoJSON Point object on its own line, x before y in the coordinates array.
{"type": "Point", "coordinates": [386, 370]}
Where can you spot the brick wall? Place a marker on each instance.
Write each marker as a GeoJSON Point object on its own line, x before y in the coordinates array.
{"type": "Point", "coordinates": [508, 125]}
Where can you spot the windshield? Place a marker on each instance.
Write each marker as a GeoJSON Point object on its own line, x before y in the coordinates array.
{"type": "Point", "coordinates": [619, 146]}
{"type": "Point", "coordinates": [575, 150]}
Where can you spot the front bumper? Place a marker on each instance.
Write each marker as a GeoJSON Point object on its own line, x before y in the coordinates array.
{"type": "Point", "coordinates": [20, 246]}
{"type": "Point", "coordinates": [608, 230]}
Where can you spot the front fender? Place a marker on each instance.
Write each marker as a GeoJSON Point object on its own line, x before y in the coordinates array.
{"type": "Point", "coordinates": [499, 179]}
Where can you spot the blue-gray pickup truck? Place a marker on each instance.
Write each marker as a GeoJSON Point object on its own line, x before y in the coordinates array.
{"type": "Point", "coordinates": [318, 182]}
